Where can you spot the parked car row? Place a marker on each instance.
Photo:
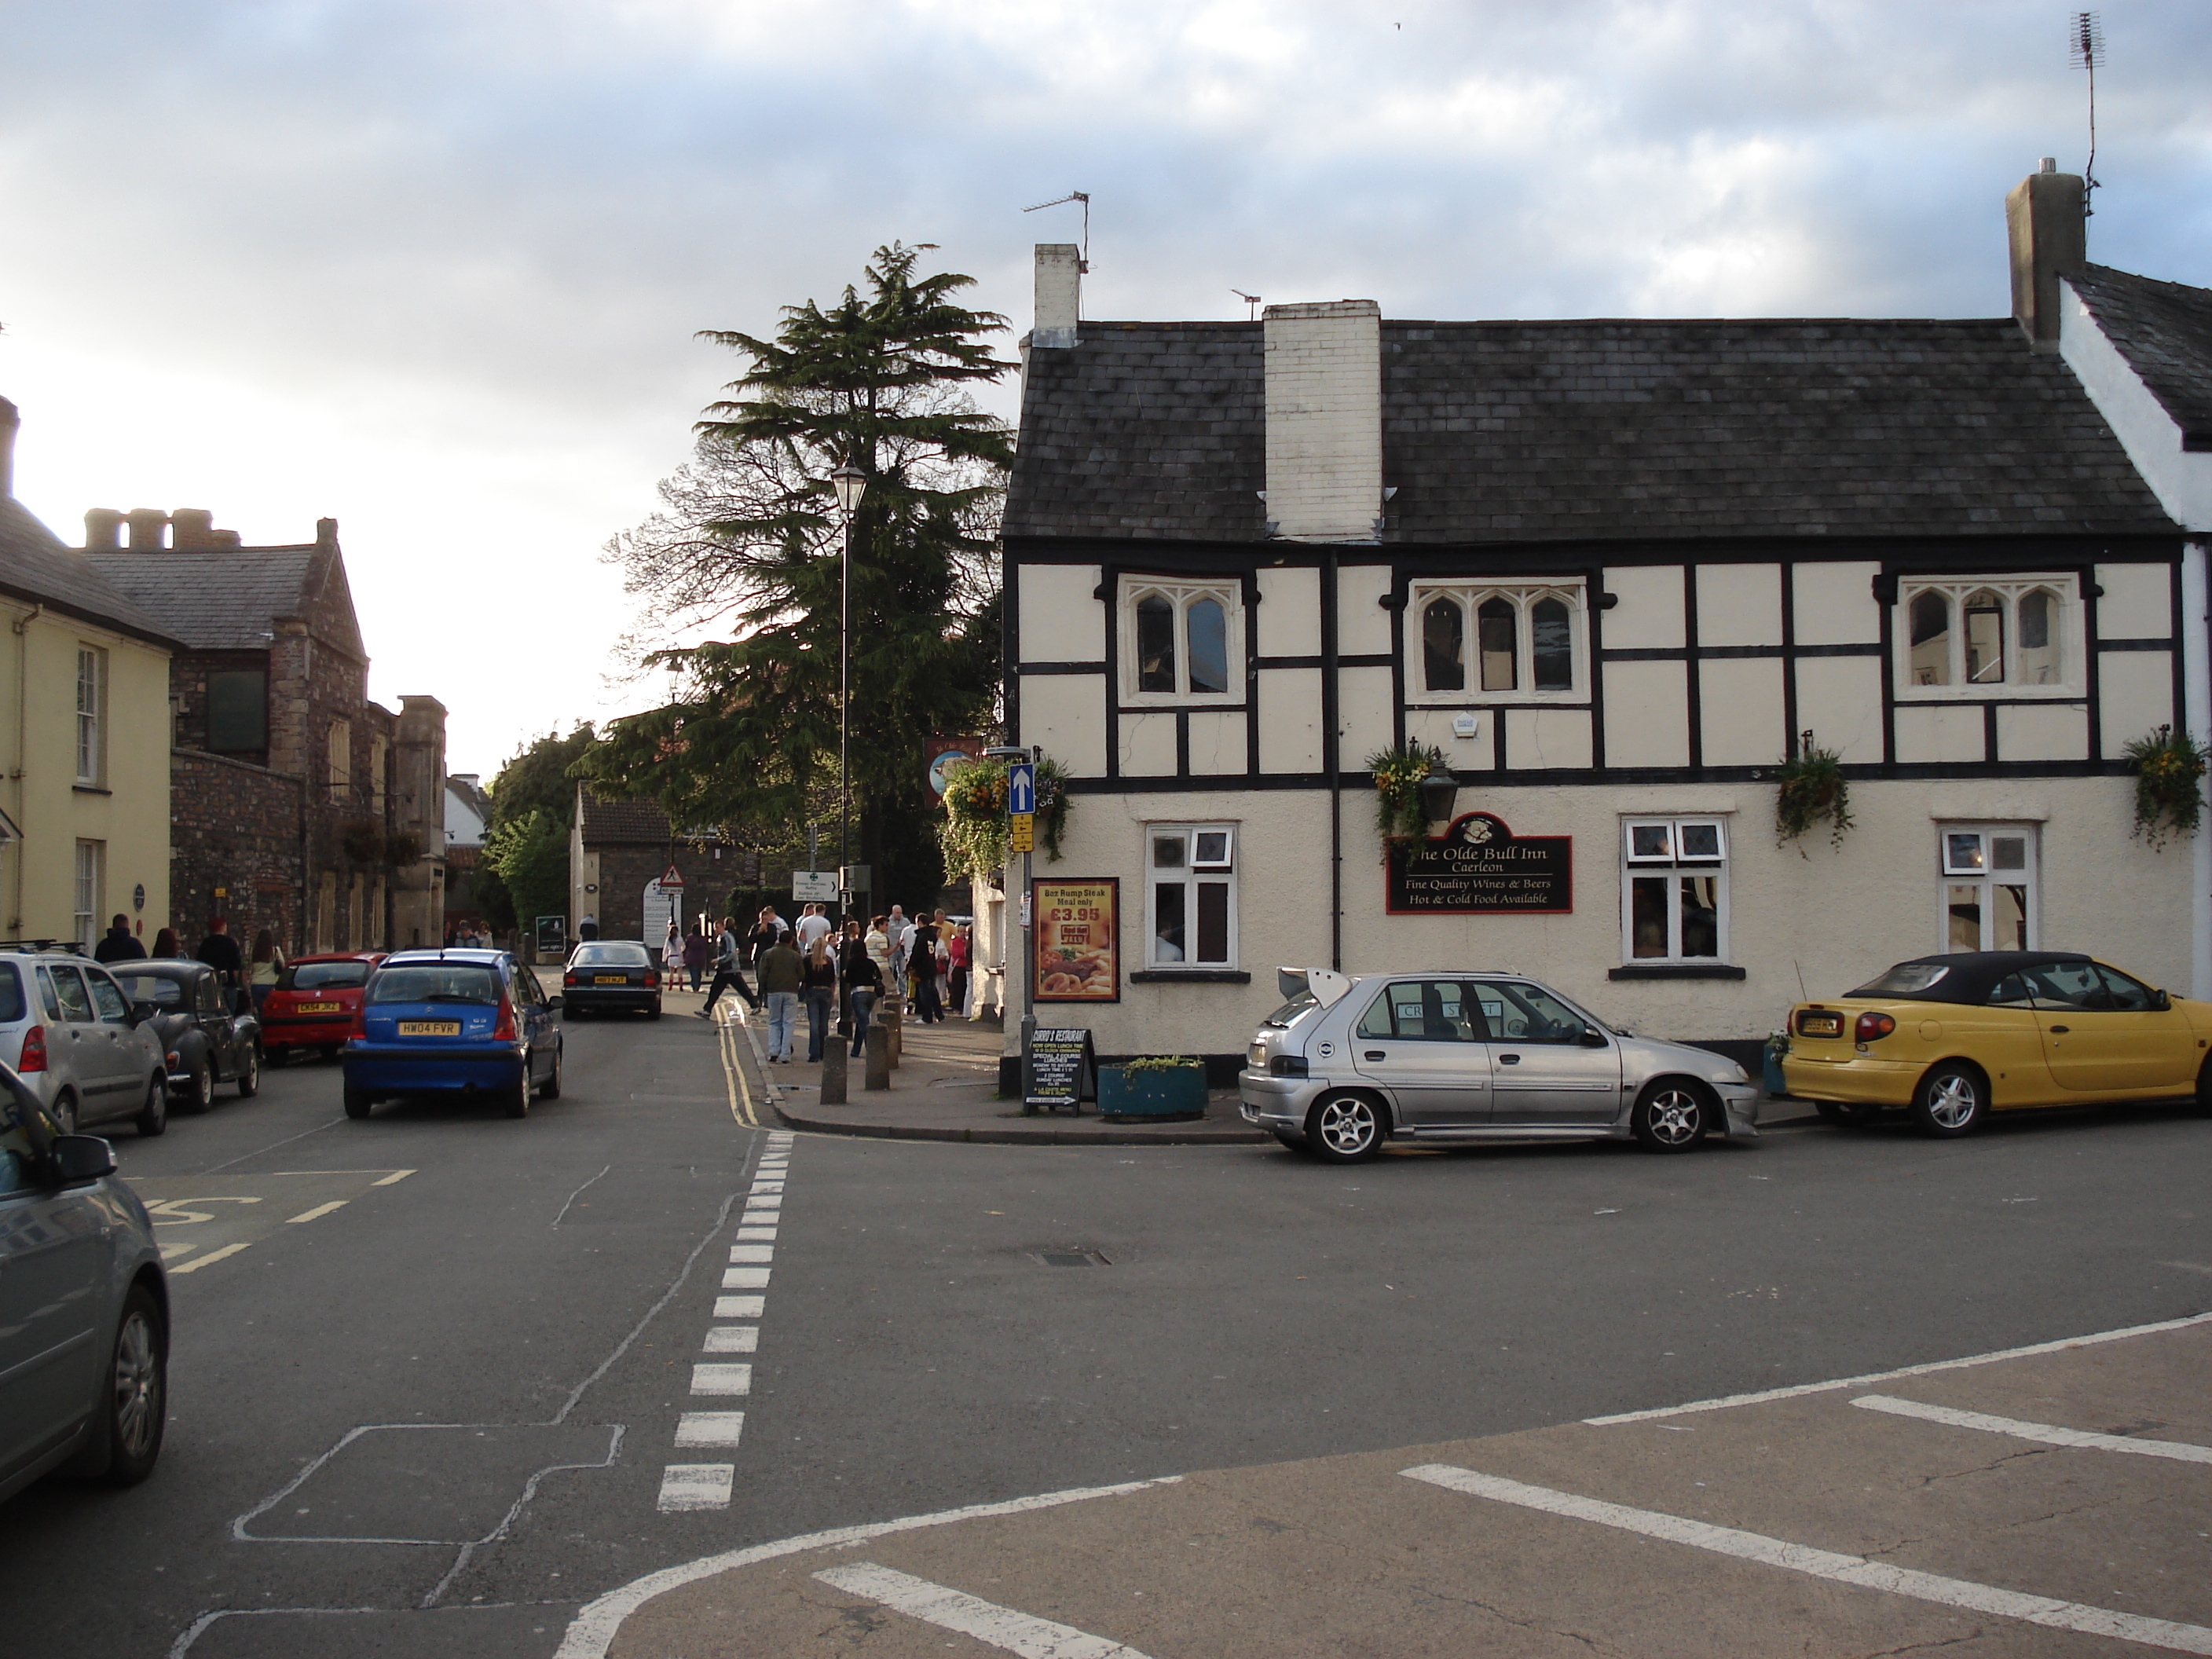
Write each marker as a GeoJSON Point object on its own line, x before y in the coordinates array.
{"type": "Point", "coordinates": [1348, 1063]}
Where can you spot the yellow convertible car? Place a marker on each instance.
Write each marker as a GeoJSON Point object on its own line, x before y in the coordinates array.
{"type": "Point", "coordinates": [1953, 1038]}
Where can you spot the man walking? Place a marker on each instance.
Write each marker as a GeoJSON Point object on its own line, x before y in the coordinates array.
{"type": "Point", "coordinates": [221, 953]}
{"type": "Point", "coordinates": [117, 945]}
{"type": "Point", "coordinates": [782, 971]}
{"type": "Point", "coordinates": [812, 924]}
{"type": "Point", "coordinates": [728, 971]}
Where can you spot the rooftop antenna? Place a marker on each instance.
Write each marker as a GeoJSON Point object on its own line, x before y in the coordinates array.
{"type": "Point", "coordinates": [1083, 196]}
{"type": "Point", "coordinates": [2086, 44]}
{"type": "Point", "coordinates": [1251, 304]}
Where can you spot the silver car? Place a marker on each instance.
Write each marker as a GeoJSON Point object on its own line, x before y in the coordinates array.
{"type": "Point", "coordinates": [87, 1052]}
{"type": "Point", "coordinates": [1348, 1062]}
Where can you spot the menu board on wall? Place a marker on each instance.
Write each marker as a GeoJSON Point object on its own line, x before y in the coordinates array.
{"type": "Point", "coordinates": [1479, 866]}
{"type": "Point", "coordinates": [1079, 940]}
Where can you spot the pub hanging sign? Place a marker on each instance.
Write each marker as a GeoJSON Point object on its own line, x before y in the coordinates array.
{"type": "Point", "coordinates": [1480, 867]}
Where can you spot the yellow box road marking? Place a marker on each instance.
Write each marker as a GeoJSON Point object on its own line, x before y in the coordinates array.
{"type": "Point", "coordinates": [320, 1210]}
{"type": "Point", "coordinates": [395, 1176]}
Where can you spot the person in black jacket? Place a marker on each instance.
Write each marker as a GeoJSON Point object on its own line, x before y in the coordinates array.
{"type": "Point", "coordinates": [220, 952]}
{"type": "Point", "coordinates": [864, 983]}
{"type": "Point", "coordinates": [116, 945]}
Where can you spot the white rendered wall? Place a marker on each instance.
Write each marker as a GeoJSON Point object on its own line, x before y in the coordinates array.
{"type": "Point", "coordinates": [1324, 404]}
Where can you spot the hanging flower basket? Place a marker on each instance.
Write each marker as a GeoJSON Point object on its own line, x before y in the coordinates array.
{"type": "Point", "coordinates": [2169, 785]}
{"type": "Point", "coordinates": [1398, 774]}
{"type": "Point", "coordinates": [973, 831]}
{"type": "Point", "coordinates": [1813, 790]}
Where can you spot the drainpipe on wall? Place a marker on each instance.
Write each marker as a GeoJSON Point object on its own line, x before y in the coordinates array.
{"type": "Point", "coordinates": [22, 770]}
{"type": "Point", "coordinates": [2196, 709]}
{"type": "Point", "coordinates": [1332, 734]}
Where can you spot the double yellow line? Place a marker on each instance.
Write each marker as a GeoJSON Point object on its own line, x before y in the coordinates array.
{"type": "Point", "coordinates": [728, 1034]}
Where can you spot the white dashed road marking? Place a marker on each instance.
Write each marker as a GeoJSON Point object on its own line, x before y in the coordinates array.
{"type": "Point", "coordinates": [732, 1338]}
{"type": "Point", "coordinates": [755, 1253]}
{"type": "Point", "coordinates": [710, 1428]}
{"type": "Point", "coordinates": [721, 1379]}
{"type": "Point", "coordinates": [2180, 1450]}
{"type": "Point", "coordinates": [1825, 1564]}
{"type": "Point", "coordinates": [744, 1279]}
{"type": "Point", "coordinates": [695, 1487]}
{"type": "Point", "coordinates": [987, 1621]}
{"type": "Point", "coordinates": [739, 1307]}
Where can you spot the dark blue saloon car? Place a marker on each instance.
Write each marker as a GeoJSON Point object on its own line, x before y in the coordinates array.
{"type": "Point", "coordinates": [471, 1022]}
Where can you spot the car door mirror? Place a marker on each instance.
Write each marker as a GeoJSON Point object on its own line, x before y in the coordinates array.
{"type": "Point", "coordinates": [142, 1011]}
{"type": "Point", "coordinates": [80, 1158]}
{"type": "Point", "coordinates": [1592, 1037]}
{"type": "Point", "coordinates": [2160, 1001]}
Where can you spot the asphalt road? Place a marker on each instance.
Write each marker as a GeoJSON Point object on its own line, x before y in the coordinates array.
{"type": "Point", "coordinates": [499, 1345]}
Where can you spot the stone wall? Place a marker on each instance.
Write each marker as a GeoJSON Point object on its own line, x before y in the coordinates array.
{"type": "Point", "coordinates": [233, 849]}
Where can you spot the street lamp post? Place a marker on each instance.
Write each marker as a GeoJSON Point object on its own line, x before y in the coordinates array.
{"type": "Point", "coordinates": [851, 483]}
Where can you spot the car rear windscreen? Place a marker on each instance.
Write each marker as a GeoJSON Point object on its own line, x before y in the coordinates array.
{"type": "Point", "coordinates": [436, 981]}
{"type": "Point", "coordinates": [323, 977]}
{"type": "Point", "coordinates": [11, 994]}
{"type": "Point", "coordinates": [151, 987]}
{"type": "Point", "coordinates": [623, 956]}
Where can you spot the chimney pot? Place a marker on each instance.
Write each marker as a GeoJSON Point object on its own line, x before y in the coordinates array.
{"type": "Point", "coordinates": [148, 525]}
{"type": "Point", "coordinates": [10, 420]}
{"type": "Point", "coordinates": [192, 526]}
{"type": "Point", "coordinates": [2046, 223]}
{"type": "Point", "coordinates": [326, 533]}
{"type": "Point", "coordinates": [2050, 164]}
{"type": "Point", "coordinates": [103, 529]}
{"type": "Point", "coordinates": [1058, 294]}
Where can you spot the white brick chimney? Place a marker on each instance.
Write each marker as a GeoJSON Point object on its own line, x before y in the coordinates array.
{"type": "Point", "coordinates": [1324, 374]}
{"type": "Point", "coordinates": [1058, 294]}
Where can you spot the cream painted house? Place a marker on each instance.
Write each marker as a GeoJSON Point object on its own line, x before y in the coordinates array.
{"type": "Point", "coordinates": [84, 722]}
{"type": "Point", "coordinates": [1616, 572]}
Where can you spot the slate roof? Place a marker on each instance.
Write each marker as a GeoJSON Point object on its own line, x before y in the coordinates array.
{"type": "Point", "coordinates": [2165, 331]}
{"type": "Point", "coordinates": [1607, 430]}
{"type": "Point", "coordinates": [37, 565]}
{"type": "Point", "coordinates": [217, 598]}
{"type": "Point", "coordinates": [612, 822]}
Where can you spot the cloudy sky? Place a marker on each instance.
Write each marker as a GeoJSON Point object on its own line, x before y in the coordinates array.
{"type": "Point", "coordinates": [432, 267]}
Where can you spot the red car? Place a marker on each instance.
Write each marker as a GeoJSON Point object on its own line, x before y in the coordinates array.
{"type": "Point", "coordinates": [315, 1003]}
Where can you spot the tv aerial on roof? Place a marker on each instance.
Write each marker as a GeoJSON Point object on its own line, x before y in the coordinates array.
{"type": "Point", "coordinates": [1083, 197]}
{"type": "Point", "coordinates": [2084, 42]}
{"type": "Point", "coordinates": [1251, 302]}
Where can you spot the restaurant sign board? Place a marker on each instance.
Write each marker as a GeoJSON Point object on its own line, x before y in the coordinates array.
{"type": "Point", "coordinates": [1480, 867]}
{"type": "Point", "coordinates": [1079, 940]}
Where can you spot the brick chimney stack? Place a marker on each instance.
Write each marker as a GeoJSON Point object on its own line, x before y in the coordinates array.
{"type": "Point", "coordinates": [10, 421]}
{"type": "Point", "coordinates": [2046, 218]}
{"type": "Point", "coordinates": [1058, 294]}
{"type": "Point", "coordinates": [149, 527]}
{"type": "Point", "coordinates": [1323, 367]}
{"type": "Point", "coordinates": [191, 526]}
{"type": "Point", "coordinates": [103, 529]}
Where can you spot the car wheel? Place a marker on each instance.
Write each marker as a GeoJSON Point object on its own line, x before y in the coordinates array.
{"type": "Point", "coordinates": [1952, 1100]}
{"type": "Point", "coordinates": [135, 1404]}
{"type": "Point", "coordinates": [1344, 1128]}
{"type": "Point", "coordinates": [551, 1089]}
{"type": "Point", "coordinates": [199, 1092]}
{"type": "Point", "coordinates": [249, 1074]}
{"type": "Point", "coordinates": [153, 1117]}
{"type": "Point", "coordinates": [516, 1098]}
{"type": "Point", "coordinates": [328, 1051]}
{"type": "Point", "coordinates": [2204, 1088]}
{"type": "Point", "coordinates": [655, 1013]}
{"type": "Point", "coordinates": [63, 1113]}
{"type": "Point", "coordinates": [357, 1101]}
{"type": "Point", "coordinates": [1670, 1116]}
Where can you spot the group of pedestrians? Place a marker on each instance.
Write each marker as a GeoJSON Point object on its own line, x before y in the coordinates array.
{"type": "Point", "coordinates": [258, 970]}
{"type": "Point", "coordinates": [812, 963]}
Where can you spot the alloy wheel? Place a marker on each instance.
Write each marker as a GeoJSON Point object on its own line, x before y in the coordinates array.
{"type": "Point", "coordinates": [1951, 1101]}
{"type": "Point", "coordinates": [1675, 1116]}
{"type": "Point", "coordinates": [1346, 1127]}
{"type": "Point", "coordinates": [138, 1403]}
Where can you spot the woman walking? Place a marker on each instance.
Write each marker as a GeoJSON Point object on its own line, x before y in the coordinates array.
{"type": "Point", "coordinates": [864, 985]}
{"type": "Point", "coordinates": [266, 964]}
{"type": "Point", "coordinates": [696, 951]}
{"type": "Point", "coordinates": [955, 953]}
{"type": "Point", "coordinates": [818, 989]}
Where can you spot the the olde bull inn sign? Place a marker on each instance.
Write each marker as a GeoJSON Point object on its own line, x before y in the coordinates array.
{"type": "Point", "coordinates": [1480, 867]}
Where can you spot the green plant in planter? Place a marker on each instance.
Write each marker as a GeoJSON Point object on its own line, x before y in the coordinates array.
{"type": "Point", "coordinates": [1813, 788]}
{"type": "Point", "coordinates": [973, 832]}
{"type": "Point", "coordinates": [2169, 785]}
{"type": "Point", "coordinates": [1159, 1062]}
{"type": "Point", "coordinates": [1398, 774]}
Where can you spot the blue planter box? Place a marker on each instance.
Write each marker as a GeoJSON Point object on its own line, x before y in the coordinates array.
{"type": "Point", "coordinates": [1179, 1091]}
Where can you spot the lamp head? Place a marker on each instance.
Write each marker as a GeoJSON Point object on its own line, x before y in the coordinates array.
{"type": "Point", "coordinates": [1439, 790]}
{"type": "Point", "coordinates": [852, 483]}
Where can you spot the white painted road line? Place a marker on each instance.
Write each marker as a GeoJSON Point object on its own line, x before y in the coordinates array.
{"type": "Point", "coordinates": [721, 1379]}
{"type": "Point", "coordinates": [695, 1487]}
{"type": "Point", "coordinates": [320, 1210]}
{"type": "Point", "coordinates": [739, 1307]}
{"type": "Point", "coordinates": [2179, 1450]}
{"type": "Point", "coordinates": [732, 1338]}
{"type": "Point", "coordinates": [764, 1235]}
{"type": "Point", "coordinates": [710, 1428]}
{"type": "Point", "coordinates": [1825, 1564]}
{"type": "Point", "coordinates": [753, 1252]}
{"type": "Point", "coordinates": [211, 1257]}
{"type": "Point", "coordinates": [987, 1621]}
{"type": "Point", "coordinates": [744, 1279]}
{"type": "Point", "coordinates": [1798, 1389]}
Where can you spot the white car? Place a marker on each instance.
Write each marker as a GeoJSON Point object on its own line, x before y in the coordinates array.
{"type": "Point", "coordinates": [88, 1052]}
{"type": "Point", "coordinates": [1449, 1055]}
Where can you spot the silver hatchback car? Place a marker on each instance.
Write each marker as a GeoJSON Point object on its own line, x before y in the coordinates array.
{"type": "Point", "coordinates": [1348, 1062]}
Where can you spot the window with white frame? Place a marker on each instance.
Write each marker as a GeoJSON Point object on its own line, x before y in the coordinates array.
{"type": "Point", "coordinates": [1962, 635]}
{"type": "Point", "coordinates": [1673, 889]}
{"type": "Point", "coordinates": [91, 716]}
{"type": "Point", "coordinates": [1181, 641]}
{"type": "Point", "coordinates": [1190, 896]}
{"type": "Point", "coordinates": [1480, 642]}
{"type": "Point", "coordinates": [91, 868]}
{"type": "Point", "coordinates": [1988, 880]}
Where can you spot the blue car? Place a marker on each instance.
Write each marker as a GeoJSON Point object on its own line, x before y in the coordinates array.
{"type": "Point", "coordinates": [468, 1022]}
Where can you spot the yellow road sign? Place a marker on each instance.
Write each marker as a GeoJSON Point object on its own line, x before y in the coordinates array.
{"type": "Point", "coordinates": [1021, 833]}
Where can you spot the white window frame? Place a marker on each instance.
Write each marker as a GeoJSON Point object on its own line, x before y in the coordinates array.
{"type": "Point", "coordinates": [1197, 872]}
{"type": "Point", "coordinates": [90, 880]}
{"type": "Point", "coordinates": [1182, 594]}
{"type": "Point", "coordinates": [1671, 863]}
{"type": "Point", "coordinates": [2066, 625]}
{"type": "Point", "coordinates": [1951, 873]}
{"type": "Point", "coordinates": [1471, 597]}
{"type": "Point", "coordinates": [91, 716]}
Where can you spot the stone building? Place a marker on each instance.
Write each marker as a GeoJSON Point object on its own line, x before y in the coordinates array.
{"type": "Point", "coordinates": [618, 850]}
{"type": "Point", "coordinates": [1617, 573]}
{"type": "Point", "coordinates": [299, 804]}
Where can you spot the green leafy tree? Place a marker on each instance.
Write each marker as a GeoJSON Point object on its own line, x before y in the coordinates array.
{"type": "Point", "coordinates": [530, 855]}
{"type": "Point", "coordinates": [749, 541]}
{"type": "Point", "coordinates": [535, 781]}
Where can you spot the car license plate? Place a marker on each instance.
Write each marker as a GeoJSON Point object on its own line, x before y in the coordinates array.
{"type": "Point", "coordinates": [318, 1008]}
{"type": "Point", "coordinates": [430, 1028]}
{"type": "Point", "coordinates": [610, 979]}
{"type": "Point", "coordinates": [1820, 1025]}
